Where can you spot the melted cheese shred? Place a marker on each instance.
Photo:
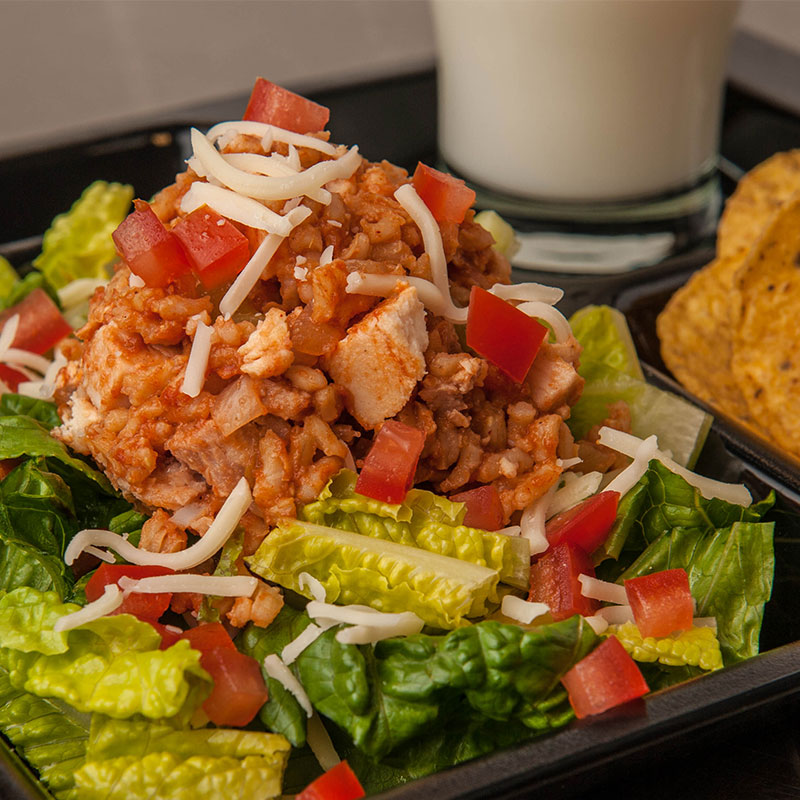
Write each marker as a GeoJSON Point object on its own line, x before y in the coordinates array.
{"type": "Point", "coordinates": [208, 545]}
{"type": "Point", "coordinates": [521, 610]}
{"type": "Point", "coordinates": [110, 601]}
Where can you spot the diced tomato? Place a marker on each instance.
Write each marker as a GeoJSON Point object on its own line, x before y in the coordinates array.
{"type": "Point", "coordinates": [661, 602]}
{"type": "Point", "coordinates": [41, 326]}
{"type": "Point", "coordinates": [338, 783]}
{"type": "Point", "coordinates": [11, 377]}
{"type": "Point", "coordinates": [148, 607]}
{"type": "Point", "coordinates": [389, 467]}
{"type": "Point", "coordinates": [484, 508]}
{"type": "Point", "coordinates": [275, 105]}
{"type": "Point", "coordinates": [554, 580]}
{"type": "Point", "coordinates": [168, 636]}
{"type": "Point", "coordinates": [447, 197]}
{"type": "Point", "coordinates": [585, 525]}
{"type": "Point", "coordinates": [208, 636]}
{"type": "Point", "coordinates": [148, 248]}
{"type": "Point", "coordinates": [217, 250]}
{"type": "Point", "coordinates": [606, 678]}
{"type": "Point", "coordinates": [503, 334]}
{"type": "Point", "coordinates": [239, 689]}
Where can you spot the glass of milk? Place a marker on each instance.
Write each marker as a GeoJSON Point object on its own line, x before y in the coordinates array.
{"type": "Point", "coordinates": [592, 124]}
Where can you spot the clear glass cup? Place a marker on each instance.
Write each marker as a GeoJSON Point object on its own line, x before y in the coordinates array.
{"type": "Point", "coordinates": [593, 125]}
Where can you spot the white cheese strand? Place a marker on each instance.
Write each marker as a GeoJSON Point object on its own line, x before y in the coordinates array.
{"type": "Point", "coordinates": [604, 591]}
{"type": "Point", "coordinates": [357, 615]}
{"type": "Point", "coordinates": [631, 475]}
{"type": "Point", "coordinates": [532, 522]}
{"type": "Point", "coordinates": [616, 615]}
{"type": "Point", "coordinates": [576, 488]}
{"type": "Point", "coordinates": [36, 389]}
{"type": "Point", "coordinates": [110, 601]}
{"type": "Point", "coordinates": [103, 555]}
{"type": "Point", "coordinates": [250, 275]}
{"type": "Point", "coordinates": [135, 282]}
{"type": "Point", "coordinates": [326, 256]}
{"type": "Point", "coordinates": [218, 585]}
{"type": "Point", "coordinates": [78, 291]}
{"type": "Point", "coordinates": [320, 743]}
{"type": "Point", "coordinates": [384, 285]}
{"type": "Point", "coordinates": [194, 375]}
{"type": "Point", "coordinates": [268, 188]}
{"type": "Point", "coordinates": [278, 671]}
{"type": "Point", "coordinates": [407, 196]}
{"type": "Point", "coordinates": [268, 165]}
{"type": "Point", "coordinates": [24, 358]}
{"type": "Point", "coordinates": [598, 624]}
{"type": "Point", "coordinates": [214, 538]}
{"type": "Point", "coordinates": [308, 635]}
{"type": "Point", "coordinates": [521, 610]}
{"type": "Point", "coordinates": [554, 318]}
{"type": "Point", "coordinates": [528, 292]}
{"type": "Point", "coordinates": [8, 335]}
{"type": "Point", "coordinates": [271, 133]}
{"type": "Point", "coordinates": [309, 583]}
{"type": "Point", "coordinates": [236, 207]}
{"type": "Point", "coordinates": [627, 443]}
{"type": "Point", "coordinates": [406, 624]}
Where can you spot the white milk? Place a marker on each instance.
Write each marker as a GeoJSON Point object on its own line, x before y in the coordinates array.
{"type": "Point", "coordinates": [581, 100]}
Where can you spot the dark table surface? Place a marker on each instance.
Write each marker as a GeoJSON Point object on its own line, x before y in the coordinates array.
{"type": "Point", "coordinates": [737, 756]}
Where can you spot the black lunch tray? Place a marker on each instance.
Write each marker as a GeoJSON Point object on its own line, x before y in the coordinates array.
{"type": "Point", "coordinates": [730, 734]}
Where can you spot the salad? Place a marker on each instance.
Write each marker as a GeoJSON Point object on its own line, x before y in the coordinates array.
{"type": "Point", "coordinates": [316, 501]}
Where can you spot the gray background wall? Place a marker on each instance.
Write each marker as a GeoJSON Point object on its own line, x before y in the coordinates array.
{"type": "Point", "coordinates": [76, 67]}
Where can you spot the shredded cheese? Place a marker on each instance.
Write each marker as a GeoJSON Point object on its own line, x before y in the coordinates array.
{"type": "Point", "coordinates": [327, 256]}
{"type": "Point", "coordinates": [195, 374]}
{"type": "Point", "coordinates": [632, 474]}
{"type": "Point", "coordinates": [78, 291]}
{"type": "Point", "coordinates": [575, 489]}
{"type": "Point", "coordinates": [269, 165]}
{"type": "Point", "coordinates": [308, 635]}
{"type": "Point", "coordinates": [406, 624]}
{"type": "Point", "coordinates": [308, 582]}
{"type": "Point", "coordinates": [626, 443]}
{"type": "Point", "coordinates": [218, 533]}
{"type": "Point", "coordinates": [269, 134]}
{"type": "Point", "coordinates": [356, 615]}
{"type": "Point", "coordinates": [249, 276]}
{"type": "Point", "coordinates": [531, 292]}
{"type": "Point", "coordinates": [239, 208]}
{"type": "Point", "coordinates": [278, 671]}
{"type": "Point", "coordinates": [269, 188]}
{"type": "Point", "coordinates": [135, 282]}
{"type": "Point", "coordinates": [8, 335]}
{"type": "Point", "coordinates": [598, 624]}
{"type": "Point", "coordinates": [24, 358]}
{"type": "Point", "coordinates": [320, 743]}
{"type": "Point", "coordinates": [521, 610]}
{"type": "Point", "coordinates": [110, 601]}
{"type": "Point", "coordinates": [218, 585]}
{"type": "Point", "coordinates": [554, 318]}
{"type": "Point", "coordinates": [532, 523]}
{"type": "Point", "coordinates": [604, 591]}
{"type": "Point", "coordinates": [616, 615]}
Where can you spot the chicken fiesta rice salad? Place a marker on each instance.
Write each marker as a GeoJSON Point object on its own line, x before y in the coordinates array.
{"type": "Point", "coordinates": [309, 498]}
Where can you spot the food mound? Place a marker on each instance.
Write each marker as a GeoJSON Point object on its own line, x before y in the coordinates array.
{"type": "Point", "coordinates": [325, 310]}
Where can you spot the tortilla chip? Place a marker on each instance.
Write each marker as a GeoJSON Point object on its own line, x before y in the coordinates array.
{"type": "Point", "coordinates": [758, 195]}
{"type": "Point", "coordinates": [695, 334]}
{"type": "Point", "coordinates": [766, 323]}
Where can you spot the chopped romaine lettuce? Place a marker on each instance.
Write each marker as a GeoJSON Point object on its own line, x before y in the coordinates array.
{"type": "Point", "coordinates": [606, 340]}
{"type": "Point", "coordinates": [78, 244]}
{"type": "Point", "coordinates": [425, 520]}
{"type": "Point", "coordinates": [111, 665]}
{"type": "Point", "coordinates": [388, 576]}
{"type": "Point", "coordinates": [8, 277]}
{"type": "Point", "coordinates": [385, 696]}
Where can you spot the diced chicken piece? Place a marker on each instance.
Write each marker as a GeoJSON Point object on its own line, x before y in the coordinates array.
{"type": "Point", "coordinates": [268, 351]}
{"type": "Point", "coordinates": [262, 608]}
{"type": "Point", "coordinates": [381, 359]}
{"type": "Point", "coordinates": [554, 383]}
{"type": "Point", "coordinates": [161, 535]}
{"type": "Point", "coordinates": [272, 489]}
{"type": "Point", "coordinates": [78, 415]}
{"type": "Point", "coordinates": [237, 405]}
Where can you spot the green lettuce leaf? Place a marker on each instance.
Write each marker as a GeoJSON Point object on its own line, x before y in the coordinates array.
{"type": "Point", "coordinates": [165, 776]}
{"type": "Point", "coordinates": [610, 366]}
{"type": "Point", "coordinates": [78, 243]}
{"type": "Point", "coordinates": [48, 735]}
{"type": "Point", "coordinates": [402, 688]}
{"type": "Point", "coordinates": [226, 566]}
{"type": "Point", "coordinates": [13, 405]}
{"type": "Point", "coordinates": [111, 665]}
{"type": "Point", "coordinates": [8, 277]}
{"type": "Point", "coordinates": [423, 520]}
{"type": "Point", "coordinates": [23, 287]}
{"type": "Point", "coordinates": [390, 577]}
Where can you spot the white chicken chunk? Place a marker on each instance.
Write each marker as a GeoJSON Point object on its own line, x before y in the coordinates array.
{"type": "Point", "coordinates": [381, 359]}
